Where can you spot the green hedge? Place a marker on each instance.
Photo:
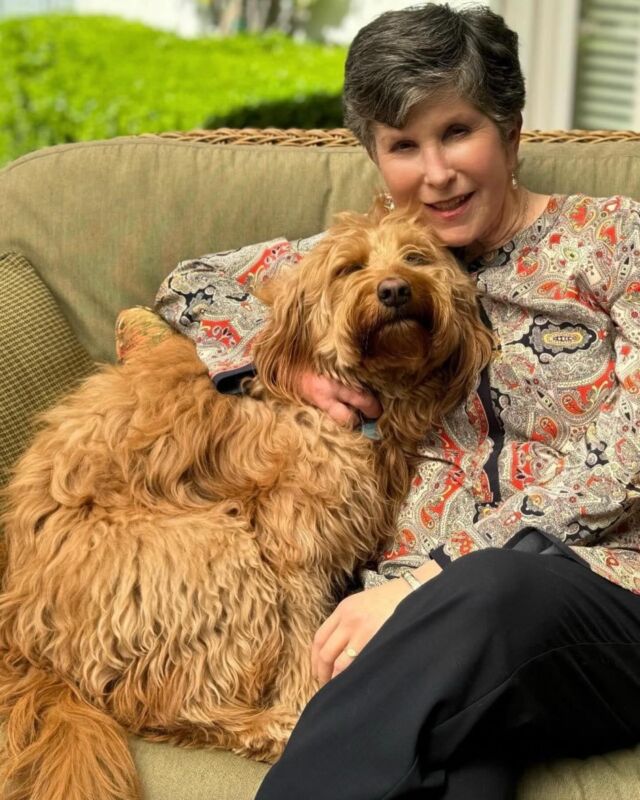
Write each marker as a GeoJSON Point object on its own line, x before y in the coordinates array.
{"type": "Point", "coordinates": [309, 111]}
{"type": "Point", "coordinates": [67, 78]}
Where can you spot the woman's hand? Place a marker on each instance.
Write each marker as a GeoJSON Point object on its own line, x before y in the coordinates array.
{"type": "Point", "coordinates": [355, 620]}
{"type": "Point", "coordinates": [340, 402]}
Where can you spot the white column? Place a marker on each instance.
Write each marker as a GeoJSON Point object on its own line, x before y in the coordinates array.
{"type": "Point", "coordinates": [548, 32]}
{"type": "Point", "coordinates": [179, 16]}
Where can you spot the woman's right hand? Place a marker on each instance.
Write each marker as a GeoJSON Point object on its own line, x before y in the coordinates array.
{"type": "Point", "coordinates": [343, 404]}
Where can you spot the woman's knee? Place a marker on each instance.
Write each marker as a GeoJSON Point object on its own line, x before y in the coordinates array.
{"type": "Point", "coordinates": [499, 586]}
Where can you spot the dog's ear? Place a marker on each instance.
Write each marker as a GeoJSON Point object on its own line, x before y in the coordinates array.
{"type": "Point", "coordinates": [471, 350]}
{"type": "Point", "coordinates": [460, 373]}
{"type": "Point", "coordinates": [265, 291]}
{"type": "Point", "coordinates": [283, 350]}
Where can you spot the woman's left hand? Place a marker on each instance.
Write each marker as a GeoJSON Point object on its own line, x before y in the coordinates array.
{"type": "Point", "coordinates": [355, 620]}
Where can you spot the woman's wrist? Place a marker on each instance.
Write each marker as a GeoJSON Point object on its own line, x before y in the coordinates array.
{"type": "Point", "coordinates": [426, 571]}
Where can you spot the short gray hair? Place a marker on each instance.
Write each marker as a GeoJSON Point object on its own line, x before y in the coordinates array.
{"type": "Point", "coordinates": [405, 57]}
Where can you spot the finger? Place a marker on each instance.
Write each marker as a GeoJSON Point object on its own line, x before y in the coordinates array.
{"type": "Point", "coordinates": [342, 414]}
{"type": "Point", "coordinates": [329, 653]}
{"type": "Point", "coordinates": [345, 659]}
{"type": "Point", "coordinates": [361, 400]}
{"type": "Point", "coordinates": [324, 632]}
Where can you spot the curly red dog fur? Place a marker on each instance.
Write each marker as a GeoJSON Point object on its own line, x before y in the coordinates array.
{"type": "Point", "coordinates": [173, 550]}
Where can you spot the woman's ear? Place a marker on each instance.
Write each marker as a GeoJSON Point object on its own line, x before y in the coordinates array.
{"type": "Point", "coordinates": [513, 139]}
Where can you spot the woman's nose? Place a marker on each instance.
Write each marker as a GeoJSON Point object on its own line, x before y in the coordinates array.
{"type": "Point", "coordinates": [436, 170]}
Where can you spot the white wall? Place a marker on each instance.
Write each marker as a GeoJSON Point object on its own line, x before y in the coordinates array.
{"type": "Point", "coordinates": [363, 11]}
{"type": "Point", "coordinates": [175, 15]}
{"type": "Point", "coordinates": [547, 31]}
{"type": "Point", "coordinates": [18, 7]}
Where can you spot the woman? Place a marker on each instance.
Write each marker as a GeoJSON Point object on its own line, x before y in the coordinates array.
{"type": "Point", "coordinates": [445, 681]}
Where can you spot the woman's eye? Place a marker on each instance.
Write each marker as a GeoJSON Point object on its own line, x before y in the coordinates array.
{"type": "Point", "coordinates": [416, 258]}
{"type": "Point", "coordinates": [402, 144]}
{"type": "Point", "coordinates": [457, 130]}
{"type": "Point", "coordinates": [349, 269]}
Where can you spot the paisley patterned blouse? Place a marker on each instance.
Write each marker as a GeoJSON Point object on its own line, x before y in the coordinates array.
{"type": "Point", "coordinates": [549, 440]}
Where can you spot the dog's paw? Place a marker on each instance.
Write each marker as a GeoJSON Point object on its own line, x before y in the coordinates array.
{"type": "Point", "coordinates": [266, 742]}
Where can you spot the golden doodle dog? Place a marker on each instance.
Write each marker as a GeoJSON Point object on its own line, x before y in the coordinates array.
{"type": "Point", "coordinates": [173, 550]}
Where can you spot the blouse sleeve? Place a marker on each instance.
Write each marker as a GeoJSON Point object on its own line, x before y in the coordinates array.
{"type": "Point", "coordinates": [591, 503]}
{"type": "Point", "coordinates": [210, 300]}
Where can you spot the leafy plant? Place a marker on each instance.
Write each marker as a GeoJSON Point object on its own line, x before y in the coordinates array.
{"type": "Point", "coordinates": [66, 78]}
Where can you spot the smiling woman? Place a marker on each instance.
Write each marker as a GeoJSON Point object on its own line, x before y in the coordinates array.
{"type": "Point", "coordinates": [451, 158]}
{"type": "Point", "coordinates": [521, 516]}
{"type": "Point", "coordinates": [520, 526]}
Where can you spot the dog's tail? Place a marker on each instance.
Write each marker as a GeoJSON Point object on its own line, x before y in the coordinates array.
{"type": "Point", "coordinates": [58, 747]}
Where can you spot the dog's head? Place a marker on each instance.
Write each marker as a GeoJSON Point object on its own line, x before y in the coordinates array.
{"type": "Point", "coordinates": [379, 302]}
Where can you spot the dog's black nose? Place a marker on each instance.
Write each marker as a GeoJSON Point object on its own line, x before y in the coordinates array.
{"type": "Point", "coordinates": [394, 292]}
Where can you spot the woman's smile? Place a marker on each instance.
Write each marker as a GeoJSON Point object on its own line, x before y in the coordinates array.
{"type": "Point", "coordinates": [451, 158]}
{"type": "Point", "coordinates": [452, 208]}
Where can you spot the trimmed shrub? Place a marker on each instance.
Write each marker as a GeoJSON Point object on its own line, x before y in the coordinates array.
{"type": "Point", "coordinates": [66, 78]}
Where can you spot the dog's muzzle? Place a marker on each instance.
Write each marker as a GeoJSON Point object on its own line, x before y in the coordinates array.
{"type": "Point", "coordinates": [394, 292]}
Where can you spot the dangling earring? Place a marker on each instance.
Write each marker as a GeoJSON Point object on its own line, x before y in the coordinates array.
{"type": "Point", "coordinates": [388, 202]}
{"type": "Point", "coordinates": [514, 180]}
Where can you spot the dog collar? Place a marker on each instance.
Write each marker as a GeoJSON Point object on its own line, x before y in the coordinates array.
{"type": "Point", "coordinates": [369, 428]}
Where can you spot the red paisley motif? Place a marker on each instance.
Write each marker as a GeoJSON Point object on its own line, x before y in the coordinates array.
{"type": "Point", "coordinates": [463, 542]}
{"type": "Point", "coordinates": [221, 330]}
{"type": "Point", "coordinates": [545, 430]}
{"type": "Point", "coordinates": [590, 394]}
{"type": "Point", "coordinates": [267, 257]}
{"type": "Point", "coordinates": [406, 543]}
{"type": "Point", "coordinates": [609, 234]}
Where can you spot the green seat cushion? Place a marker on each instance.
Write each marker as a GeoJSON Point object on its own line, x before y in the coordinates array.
{"type": "Point", "coordinates": [174, 773]}
{"type": "Point", "coordinates": [614, 776]}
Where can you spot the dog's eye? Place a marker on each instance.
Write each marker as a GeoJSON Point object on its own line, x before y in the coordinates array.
{"type": "Point", "coordinates": [417, 258]}
{"type": "Point", "coordinates": [348, 269]}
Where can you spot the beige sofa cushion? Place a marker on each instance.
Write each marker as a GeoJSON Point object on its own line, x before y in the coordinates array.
{"type": "Point", "coordinates": [104, 222]}
{"type": "Point", "coordinates": [224, 776]}
{"type": "Point", "coordinates": [173, 773]}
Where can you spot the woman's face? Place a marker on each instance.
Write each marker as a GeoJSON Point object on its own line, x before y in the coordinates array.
{"type": "Point", "coordinates": [451, 159]}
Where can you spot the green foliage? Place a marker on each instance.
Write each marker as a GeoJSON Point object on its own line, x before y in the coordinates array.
{"type": "Point", "coordinates": [308, 111]}
{"type": "Point", "coordinates": [67, 78]}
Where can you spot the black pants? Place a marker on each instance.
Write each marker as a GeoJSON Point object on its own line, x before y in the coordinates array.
{"type": "Point", "coordinates": [505, 658]}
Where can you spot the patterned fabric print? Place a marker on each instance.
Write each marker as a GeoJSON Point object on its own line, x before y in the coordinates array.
{"type": "Point", "coordinates": [564, 300]}
{"type": "Point", "coordinates": [550, 439]}
{"type": "Point", "coordinates": [210, 300]}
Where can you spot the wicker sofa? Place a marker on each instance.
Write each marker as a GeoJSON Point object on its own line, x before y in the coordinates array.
{"type": "Point", "coordinates": [89, 229]}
